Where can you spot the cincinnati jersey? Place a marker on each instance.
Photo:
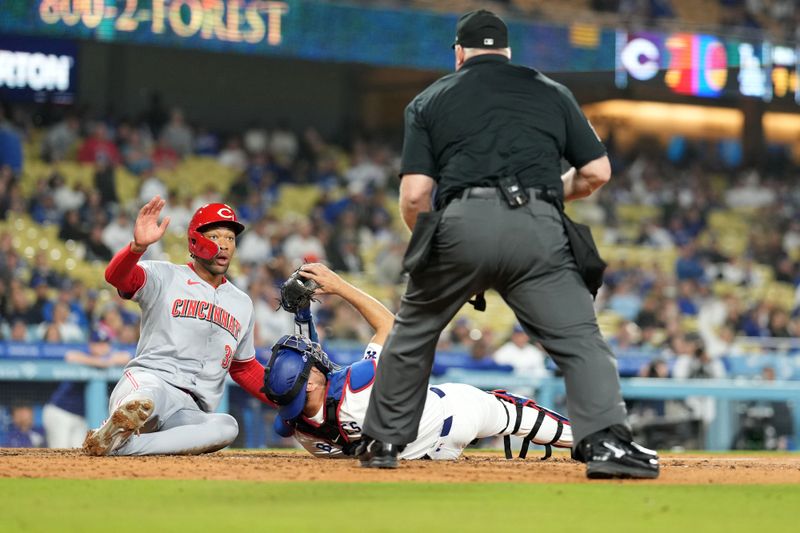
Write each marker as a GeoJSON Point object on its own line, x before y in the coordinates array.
{"type": "Point", "coordinates": [354, 401]}
{"type": "Point", "coordinates": [191, 332]}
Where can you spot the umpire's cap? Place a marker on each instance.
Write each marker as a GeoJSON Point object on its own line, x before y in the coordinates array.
{"type": "Point", "coordinates": [481, 29]}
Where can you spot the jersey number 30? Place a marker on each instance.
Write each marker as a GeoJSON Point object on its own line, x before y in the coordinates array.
{"type": "Point", "coordinates": [226, 361]}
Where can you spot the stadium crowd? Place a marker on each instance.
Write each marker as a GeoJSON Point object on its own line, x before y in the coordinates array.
{"type": "Point", "coordinates": [657, 311]}
{"type": "Point", "coordinates": [682, 185]}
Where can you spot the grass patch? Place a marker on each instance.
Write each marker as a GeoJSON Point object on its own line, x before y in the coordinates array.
{"type": "Point", "coordinates": [158, 505]}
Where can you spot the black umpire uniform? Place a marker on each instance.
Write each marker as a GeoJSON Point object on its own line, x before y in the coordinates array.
{"type": "Point", "coordinates": [477, 132]}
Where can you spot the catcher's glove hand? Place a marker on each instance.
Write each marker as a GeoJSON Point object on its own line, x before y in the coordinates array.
{"type": "Point", "coordinates": [297, 292]}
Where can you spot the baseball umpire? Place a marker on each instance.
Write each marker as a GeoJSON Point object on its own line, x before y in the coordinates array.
{"type": "Point", "coordinates": [489, 138]}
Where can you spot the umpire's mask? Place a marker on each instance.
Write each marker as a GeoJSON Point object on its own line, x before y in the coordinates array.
{"type": "Point", "coordinates": [286, 374]}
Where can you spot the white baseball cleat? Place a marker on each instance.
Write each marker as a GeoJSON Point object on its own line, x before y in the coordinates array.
{"type": "Point", "coordinates": [126, 420]}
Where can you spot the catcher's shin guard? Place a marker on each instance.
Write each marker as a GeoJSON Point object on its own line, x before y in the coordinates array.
{"type": "Point", "coordinates": [534, 423]}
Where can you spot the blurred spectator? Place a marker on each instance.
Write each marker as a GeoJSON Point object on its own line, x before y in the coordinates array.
{"type": "Point", "coordinates": [22, 433]}
{"type": "Point", "coordinates": [749, 193]}
{"type": "Point", "coordinates": [99, 148]}
{"type": "Point", "coordinates": [518, 352]}
{"type": "Point", "coordinates": [43, 206]}
{"type": "Point", "coordinates": [19, 307]}
{"type": "Point", "coordinates": [19, 331]}
{"type": "Point", "coordinates": [345, 257]}
{"type": "Point", "coordinates": [347, 324]}
{"type": "Point", "coordinates": [151, 187]}
{"type": "Point", "coordinates": [105, 182]}
{"type": "Point", "coordinates": [232, 156]}
{"type": "Point", "coordinates": [459, 337]}
{"type": "Point", "coordinates": [389, 262]}
{"type": "Point", "coordinates": [65, 197]}
{"type": "Point", "coordinates": [655, 236]}
{"type": "Point", "coordinates": [687, 294]}
{"type": "Point", "coordinates": [95, 249]}
{"type": "Point", "coordinates": [95, 211]}
{"type": "Point", "coordinates": [626, 337]}
{"type": "Point", "coordinates": [119, 232]}
{"type": "Point", "coordinates": [656, 368]}
{"type": "Point", "coordinates": [303, 244]}
{"type": "Point", "coordinates": [271, 322]}
{"type": "Point", "coordinates": [10, 143]}
{"type": "Point", "coordinates": [256, 139]}
{"type": "Point", "coordinates": [254, 246]}
{"type": "Point", "coordinates": [283, 144]}
{"type": "Point", "coordinates": [68, 330]}
{"type": "Point", "coordinates": [180, 214]}
{"type": "Point", "coordinates": [365, 172]}
{"type": "Point", "coordinates": [177, 135]}
{"type": "Point", "coordinates": [625, 301]}
{"type": "Point", "coordinates": [209, 196]}
{"type": "Point", "coordinates": [43, 273]}
{"type": "Point", "coordinates": [6, 184]}
{"type": "Point", "coordinates": [688, 266]}
{"type": "Point", "coordinates": [693, 362]}
{"type": "Point", "coordinates": [481, 350]}
{"type": "Point", "coordinates": [164, 156]}
{"type": "Point", "coordinates": [780, 324]}
{"type": "Point", "coordinates": [254, 209]}
{"type": "Point", "coordinates": [61, 139]}
{"type": "Point", "coordinates": [765, 425]}
{"type": "Point", "coordinates": [71, 227]}
{"type": "Point", "coordinates": [63, 415]}
{"type": "Point", "coordinates": [206, 143]}
{"type": "Point", "coordinates": [137, 151]}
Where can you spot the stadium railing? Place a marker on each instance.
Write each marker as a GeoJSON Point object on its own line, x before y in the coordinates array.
{"type": "Point", "coordinates": [37, 363]}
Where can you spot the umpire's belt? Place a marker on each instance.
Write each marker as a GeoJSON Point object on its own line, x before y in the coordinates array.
{"type": "Point", "coordinates": [489, 193]}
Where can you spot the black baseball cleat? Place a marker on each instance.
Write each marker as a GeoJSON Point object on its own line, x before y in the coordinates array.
{"type": "Point", "coordinates": [608, 456]}
{"type": "Point", "coordinates": [377, 454]}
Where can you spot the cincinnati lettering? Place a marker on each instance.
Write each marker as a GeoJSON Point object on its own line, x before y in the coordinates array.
{"type": "Point", "coordinates": [186, 308]}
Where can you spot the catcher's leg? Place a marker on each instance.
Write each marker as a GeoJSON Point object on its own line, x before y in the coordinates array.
{"type": "Point", "coordinates": [534, 423]}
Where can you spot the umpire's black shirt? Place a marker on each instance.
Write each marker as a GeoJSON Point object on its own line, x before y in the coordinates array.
{"type": "Point", "coordinates": [492, 119]}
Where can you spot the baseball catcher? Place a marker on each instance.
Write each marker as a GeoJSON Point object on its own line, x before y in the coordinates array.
{"type": "Point", "coordinates": [324, 406]}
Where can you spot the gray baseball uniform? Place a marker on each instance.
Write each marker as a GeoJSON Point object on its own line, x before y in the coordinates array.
{"type": "Point", "coordinates": [191, 332]}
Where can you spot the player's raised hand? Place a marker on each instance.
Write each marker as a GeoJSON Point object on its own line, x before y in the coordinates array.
{"type": "Point", "coordinates": [146, 229]}
{"type": "Point", "coordinates": [329, 281]}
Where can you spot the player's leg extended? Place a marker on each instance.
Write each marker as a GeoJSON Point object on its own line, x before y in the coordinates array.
{"type": "Point", "coordinates": [189, 431]}
{"type": "Point", "coordinates": [477, 414]}
{"type": "Point", "coordinates": [138, 400]}
{"type": "Point", "coordinates": [534, 423]}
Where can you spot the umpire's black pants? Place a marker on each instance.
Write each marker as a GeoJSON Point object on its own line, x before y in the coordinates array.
{"type": "Point", "coordinates": [524, 254]}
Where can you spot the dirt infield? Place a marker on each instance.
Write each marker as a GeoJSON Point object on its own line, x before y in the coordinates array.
{"type": "Point", "coordinates": [291, 466]}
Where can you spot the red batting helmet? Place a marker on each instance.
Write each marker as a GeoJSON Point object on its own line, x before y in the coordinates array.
{"type": "Point", "coordinates": [210, 215]}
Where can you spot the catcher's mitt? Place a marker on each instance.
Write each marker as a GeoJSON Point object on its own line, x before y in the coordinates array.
{"type": "Point", "coordinates": [297, 292]}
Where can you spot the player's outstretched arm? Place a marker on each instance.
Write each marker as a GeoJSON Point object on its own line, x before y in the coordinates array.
{"type": "Point", "coordinates": [374, 312]}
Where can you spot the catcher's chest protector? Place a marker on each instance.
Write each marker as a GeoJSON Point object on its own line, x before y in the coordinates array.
{"type": "Point", "coordinates": [330, 429]}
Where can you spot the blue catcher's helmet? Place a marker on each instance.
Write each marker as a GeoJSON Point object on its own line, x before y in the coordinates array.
{"type": "Point", "coordinates": [286, 374]}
